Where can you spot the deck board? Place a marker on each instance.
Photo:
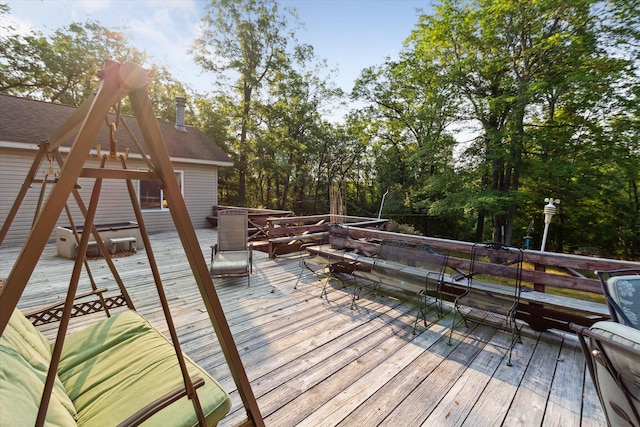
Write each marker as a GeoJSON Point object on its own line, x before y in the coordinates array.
{"type": "Point", "coordinates": [313, 361]}
{"type": "Point", "coordinates": [493, 404]}
{"type": "Point", "coordinates": [452, 410]}
{"type": "Point", "coordinates": [531, 398]}
{"type": "Point", "coordinates": [415, 408]}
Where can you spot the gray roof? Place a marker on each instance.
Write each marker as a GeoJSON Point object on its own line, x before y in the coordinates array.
{"type": "Point", "coordinates": [29, 121]}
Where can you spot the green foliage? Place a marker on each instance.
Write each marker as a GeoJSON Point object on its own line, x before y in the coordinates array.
{"type": "Point", "coordinates": [247, 38]}
{"type": "Point", "coordinates": [396, 227]}
{"type": "Point", "coordinates": [541, 86]}
{"type": "Point", "coordinates": [62, 68]}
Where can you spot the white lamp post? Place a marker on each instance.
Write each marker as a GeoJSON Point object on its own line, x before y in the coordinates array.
{"type": "Point", "coordinates": [382, 203]}
{"type": "Point", "coordinates": [549, 211]}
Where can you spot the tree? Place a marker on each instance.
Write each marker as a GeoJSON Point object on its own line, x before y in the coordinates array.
{"type": "Point", "coordinates": [291, 127]}
{"type": "Point", "coordinates": [509, 62]}
{"type": "Point", "coordinates": [410, 108]}
{"type": "Point", "coordinates": [62, 68]}
{"type": "Point", "coordinates": [248, 38]}
{"type": "Point", "coordinates": [20, 69]}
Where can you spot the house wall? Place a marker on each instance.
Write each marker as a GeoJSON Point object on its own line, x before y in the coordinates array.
{"type": "Point", "coordinates": [200, 193]}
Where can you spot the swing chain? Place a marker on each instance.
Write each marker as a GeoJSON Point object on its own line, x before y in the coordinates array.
{"type": "Point", "coordinates": [113, 143]}
{"type": "Point", "coordinates": [51, 172]}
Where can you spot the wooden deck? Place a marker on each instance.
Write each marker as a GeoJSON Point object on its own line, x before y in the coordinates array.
{"type": "Point", "coordinates": [315, 362]}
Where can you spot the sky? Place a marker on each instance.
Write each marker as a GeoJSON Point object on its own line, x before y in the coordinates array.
{"type": "Point", "coordinates": [349, 34]}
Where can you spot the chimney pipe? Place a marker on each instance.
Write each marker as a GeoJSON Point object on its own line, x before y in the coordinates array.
{"type": "Point", "coordinates": [181, 102]}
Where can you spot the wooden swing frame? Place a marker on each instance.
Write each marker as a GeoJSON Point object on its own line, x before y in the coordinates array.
{"type": "Point", "coordinates": [117, 81]}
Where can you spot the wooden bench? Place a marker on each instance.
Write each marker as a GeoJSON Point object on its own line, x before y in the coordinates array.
{"type": "Point", "coordinates": [113, 243]}
{"type": "Point", "coordinates": [535, 307]}
{"type": "Point", "coordinates": [535, 297]}
{"type": "Point", "coordinates": [343, 254]}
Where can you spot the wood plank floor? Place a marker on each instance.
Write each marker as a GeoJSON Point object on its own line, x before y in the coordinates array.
{"type": "Point", "coordinates": [314, 361]}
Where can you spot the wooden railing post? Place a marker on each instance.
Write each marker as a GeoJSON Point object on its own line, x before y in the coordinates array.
{"type": "Point", "coordinates": [540, 287]}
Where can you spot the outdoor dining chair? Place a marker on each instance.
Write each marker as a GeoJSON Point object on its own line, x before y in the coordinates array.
{"type": "Point", "coordinates": [233, 254]}
{"type": "Point", "coordinates": [483, 302]}
{"type": "Point", "coordinates": [322, 261]}
{"type": "Point", "coordinates": [612, 351]}
{"type": "Point", "coordinates": [622, 291]}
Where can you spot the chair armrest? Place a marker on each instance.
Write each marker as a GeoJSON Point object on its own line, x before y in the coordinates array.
{"type": "Point", "coordinates": [214, 251]}
{"type": "Point", "coordinates": [157, 405]}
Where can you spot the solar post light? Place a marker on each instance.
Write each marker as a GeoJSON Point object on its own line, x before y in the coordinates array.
{"type": "Point", "coordinates": [549, 211]}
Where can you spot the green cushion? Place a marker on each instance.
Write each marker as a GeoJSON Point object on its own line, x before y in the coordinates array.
{"type": "Point", "coordinates": [121, 364]}
{"type": "Point", "coordinates": [24, 362]}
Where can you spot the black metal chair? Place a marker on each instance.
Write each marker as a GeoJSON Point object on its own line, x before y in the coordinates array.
{"type": "Point", "coordinates": [612, 353]}
{"type": "Point", "coordinates": [622, 291]}
{"type": "Point", "coordinates": [434, 260]}
{"type": "Point", "coordinates": [412, 268]}
{"type": "Point", "coordinates": [322, 262]}
{"type": "Point", "coordinates": [493, 304]}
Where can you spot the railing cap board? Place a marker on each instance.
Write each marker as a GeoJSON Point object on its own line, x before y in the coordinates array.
{"type": "Point", "coordinates": [352, 221]}
{"type": "Point", "coordinates": [577, 261]}
{"type": "Point", "coordinates": [547, 258]}
{"type": "Point", "coordinates": [298, 219]}
{"type": "Point", "coordinates": [536, 257]}
{"type": "Point", "coordinates": [295, 230]}
{"type": "Point", "coordinates": [252, 210]}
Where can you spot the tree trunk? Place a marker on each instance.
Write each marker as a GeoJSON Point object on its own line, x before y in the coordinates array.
{"type": "Point", "coordinates": [242, 150]}
{"type": "Point", "coordinates": [635, 235]}
{"type": "Point", "coordinates": [479, 226]}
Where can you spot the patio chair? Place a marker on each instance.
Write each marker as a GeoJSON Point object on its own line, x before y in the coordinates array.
{"type": "Point", "coordinates": [488, 303]}
{"type": "Point", "coordinates": [622, 291]}
{"type": "Point", "coordinates": [436, 261]}
{"type": "Point", "coordinates": [612, 352]}
{"type": "Point", "coordinates": [417, 269]}
{"type": "Point", "coordinates": [328, 254]}
{"type": "Point", "coordinates": [232, 255]}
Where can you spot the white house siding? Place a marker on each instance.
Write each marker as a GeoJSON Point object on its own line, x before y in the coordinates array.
{"type": "Point", "coordinates": [200, 192]}
{"type": "Point", "coordinates": [13, 168]}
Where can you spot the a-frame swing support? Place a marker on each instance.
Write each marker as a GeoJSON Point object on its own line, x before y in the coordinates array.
{"type": "Point", "coordinates": [119, 81]}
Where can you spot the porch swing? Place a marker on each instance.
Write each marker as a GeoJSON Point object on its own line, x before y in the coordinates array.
{"type": "Point", "coordinates": [140, 376]}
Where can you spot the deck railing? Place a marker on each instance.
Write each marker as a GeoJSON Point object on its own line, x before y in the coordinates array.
{"type": "Point", "coordinates": [299, 225]}
{"type": "Point", "coordinates": [548, 272]}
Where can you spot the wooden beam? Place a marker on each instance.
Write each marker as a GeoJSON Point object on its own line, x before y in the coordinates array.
{"type": "Point", "coordinates": [118, 174]}
{"type": "Point", "coordinates": [164, 170]}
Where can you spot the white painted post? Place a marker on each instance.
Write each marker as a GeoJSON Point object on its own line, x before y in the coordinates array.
{"type": "Point", "coordinates": [549, 211]}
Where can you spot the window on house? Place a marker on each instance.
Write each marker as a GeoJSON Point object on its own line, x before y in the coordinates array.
{"type": "Point", "coordinates": [152, 197]}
